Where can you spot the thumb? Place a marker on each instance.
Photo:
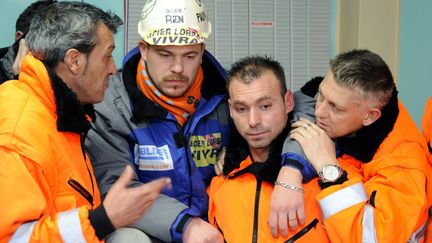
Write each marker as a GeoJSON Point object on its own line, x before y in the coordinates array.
{"type": "Point", "coordinates": [125, 178]}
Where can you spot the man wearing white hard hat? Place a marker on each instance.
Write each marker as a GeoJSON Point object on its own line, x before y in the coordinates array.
{"type": "Point", "coordinates": [167, 114]}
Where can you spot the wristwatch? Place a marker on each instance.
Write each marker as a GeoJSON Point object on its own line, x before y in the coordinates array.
{"type": "Point", "coordinates": [330, 173]}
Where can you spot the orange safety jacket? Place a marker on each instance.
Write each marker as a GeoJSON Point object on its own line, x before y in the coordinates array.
{"type": "Point", "coordinates": [427, 133]}
{"type": "Point", "coordinates": [383, 200]}
{"type": "Point", "coordinates": [427, 122]}
{"type": "Point", "coordinates": [46, 182]}
{"type": "Point", "coordinates": [239, 208]}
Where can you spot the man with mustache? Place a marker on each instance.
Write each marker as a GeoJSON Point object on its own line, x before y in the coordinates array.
{"type": "Point", "coordinates": [48, 189]}
{"type": "Point", "coordinates": [168, 116]}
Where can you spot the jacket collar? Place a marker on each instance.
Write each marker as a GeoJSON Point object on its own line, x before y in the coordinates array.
{"type": "Point", "coordinates": [7, 59]}
{"type": "Point", "coordinates": [71, 115]}
{"type": "Point", "coordinates": [143, 108]}
{"type": "Point", "coordinates": [237, 151]}
{"type": "Point", "coordinates": [364, 143]}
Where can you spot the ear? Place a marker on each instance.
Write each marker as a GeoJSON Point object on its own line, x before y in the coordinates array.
{"type": "Point", "coordinates": [371, 116]}
{"type": "Point", "coordinates": [18, 35]}
{"type": "Point", "coordinates": [143, 47]}
{"type": "Point", "coordinates": [75, 61]}
{"type": "Point", "coordinates": [289, 101]}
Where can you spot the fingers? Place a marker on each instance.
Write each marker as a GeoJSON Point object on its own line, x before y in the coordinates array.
{"type": "Point", "coordinates": [124, 179]}
{"type": "Point", "coordinates": [303, 129]}
{"type": "Point", "coordinates": [22, 52]}
{"type": "Point", "coordinates": [124, 204]}
{"type": "Point", "coordinates": [272, 222]}
{"type": "Point", "coordinates": [292, 220]}
{"type": "Point", "coordinates": [301, 215]}
{"type": "Point", "coordinates": [217, 170]}
{"type": "Point", "coordinates": [148, 192]}
{"type": "Point", "coordinates": [304, 124]}
{"type": "Point", "coordinates": [220, 163]}
{"type": "Point", "coordinates": [283, 228]}
{"type": "Point", "coordinates": [155, 186]}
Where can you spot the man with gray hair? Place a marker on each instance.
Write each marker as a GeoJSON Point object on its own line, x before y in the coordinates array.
{"type": "Point", "coordinates": [167, 115]}
{"type": "Point", "coordinates": [371, 160]}
{"type": "Point", "coordinates": [47, 185]}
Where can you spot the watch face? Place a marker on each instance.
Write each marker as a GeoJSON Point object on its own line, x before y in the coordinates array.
{"type": "Point", "coordinates": [331, 173]}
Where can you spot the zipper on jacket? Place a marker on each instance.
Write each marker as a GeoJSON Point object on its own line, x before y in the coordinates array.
{"type": "Point", "coordinates": [81, 190]}
{"type": "Point", "coordinates": [181, 138]}
{"type": "Point", "coordinates": [256, 212]}
{"type": "Point", "coordinates": [82, 139]}
{"type": "Point", "coordinates": [303, 231]}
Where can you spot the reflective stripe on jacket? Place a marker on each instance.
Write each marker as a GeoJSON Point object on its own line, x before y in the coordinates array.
{"type": "Point", "coordinates": [41, 168]}
{"type": "Point", "coordinates": [384, 200]}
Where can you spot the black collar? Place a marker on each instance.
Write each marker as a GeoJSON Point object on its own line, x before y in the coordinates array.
{"type": "Point", "coordinates": [364, 143]}
{"type": "Point", "coordinates": [237, 150]}
{"type": "Point", "coordinates": [71, 115]}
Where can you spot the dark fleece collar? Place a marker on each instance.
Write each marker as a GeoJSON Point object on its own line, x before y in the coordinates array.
{"type": "Point", "coordinates": [71, 115]}
{"type": "Point", "coordinates": [237, 150]}
{"type": "Point", "coordinates": [364, 143]}
{"type": "Point", "coordinates": [144, 108]}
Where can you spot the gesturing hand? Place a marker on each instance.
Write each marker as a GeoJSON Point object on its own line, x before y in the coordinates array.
{"type": "Point", "coordinates": [125, 205]}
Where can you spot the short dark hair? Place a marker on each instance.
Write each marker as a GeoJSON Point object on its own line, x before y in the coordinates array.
{"type": "Point", "coordinates": [24, 19]}
{"type": "Point", "coordinates": [250, 68]}
{"type": "Point", "coordinates": [365, 71]}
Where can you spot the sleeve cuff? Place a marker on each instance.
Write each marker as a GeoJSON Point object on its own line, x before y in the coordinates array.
{"type": "Point", "coordinates": [101, 222]}
{"type": "Point", "coordinates": [298, 162]}
{"type": "Point", "coordinates": [179, 226]}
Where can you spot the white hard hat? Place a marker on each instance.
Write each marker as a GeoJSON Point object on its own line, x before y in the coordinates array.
{"type": "Point", "coordinates": [174, 22]}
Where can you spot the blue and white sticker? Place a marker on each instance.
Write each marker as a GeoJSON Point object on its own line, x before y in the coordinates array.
{"type": "Point", "coordinates": [153, 158]}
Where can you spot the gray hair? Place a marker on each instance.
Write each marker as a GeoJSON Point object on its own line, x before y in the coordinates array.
{"type": "Point", "coordinates": [66, 25]}
{"type": "Point", "coordinates": [366, 72]}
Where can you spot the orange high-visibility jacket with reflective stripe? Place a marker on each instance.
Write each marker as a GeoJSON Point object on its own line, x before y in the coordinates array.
{"type": "Point", "coordinates": [239, 208]}
{"type": "Point", "coordinates": [384, 200]}
{"type": "Point", "coordinates": [36, 164]}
